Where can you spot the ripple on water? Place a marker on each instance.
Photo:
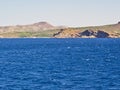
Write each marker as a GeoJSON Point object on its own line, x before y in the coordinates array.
{"type": "Point", "coordinates": [59, 64]}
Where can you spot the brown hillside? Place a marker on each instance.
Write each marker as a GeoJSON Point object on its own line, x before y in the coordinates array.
{"type": "Point", "coordinates": [27, 28]}
{"type": "Point", "coordinates": [113, 31]}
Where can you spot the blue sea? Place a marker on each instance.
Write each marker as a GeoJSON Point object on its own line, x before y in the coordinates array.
{"type": "Point", "coordinates": [59, 64]}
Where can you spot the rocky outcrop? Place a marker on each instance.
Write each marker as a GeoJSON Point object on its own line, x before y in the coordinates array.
{"type": "Point", "coordinates": [65, 33]}
{"type": "Point", "coordinates": [84, 34]}
{"type": "Point", "coordinates": [97, 34]}
{"type": "Point", "coordinates": [119, 22]}
{"type": "Point", "coordinates": [87, 33]}
{"type": "Point", "coordinates": [101, 34]}
{"type": "Point", "coordinates": [55, 34]}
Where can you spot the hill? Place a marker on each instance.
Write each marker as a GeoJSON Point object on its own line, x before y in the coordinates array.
{"type": "Point", "coordinates": [112, 30]}
{"type": "Point", "coordinates": [40, 29]}
{"type": "Point", "coordinates": [44, 29]}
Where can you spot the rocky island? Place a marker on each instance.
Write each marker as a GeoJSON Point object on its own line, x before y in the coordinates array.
{"type": "Point", "coordinates": [44, 29]}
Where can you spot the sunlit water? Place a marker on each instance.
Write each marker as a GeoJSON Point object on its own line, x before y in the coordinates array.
{"type": "Point", "coordinates": [59, 64]}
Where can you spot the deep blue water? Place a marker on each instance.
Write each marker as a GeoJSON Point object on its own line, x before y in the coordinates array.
{"type": "Point", "coordinates": [59, 64]}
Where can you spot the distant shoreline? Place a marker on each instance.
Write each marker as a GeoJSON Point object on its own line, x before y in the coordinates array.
{"type": "Point", "coordinates": [57, 38]}
{"type": "Point", "coordinates": [46, 30]}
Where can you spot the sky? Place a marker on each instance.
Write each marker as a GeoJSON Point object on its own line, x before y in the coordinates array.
{"type": "Point", "coordinates": [76, 13]}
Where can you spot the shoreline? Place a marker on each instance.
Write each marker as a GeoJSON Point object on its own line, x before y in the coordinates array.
{"type": "Point", "coordinates": [55, 38]}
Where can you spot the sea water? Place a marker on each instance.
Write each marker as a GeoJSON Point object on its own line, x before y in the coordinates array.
{"type": "Point", "coordinates": [59, 64]}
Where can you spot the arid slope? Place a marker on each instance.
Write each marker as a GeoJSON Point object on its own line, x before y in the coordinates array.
{"type": "Point", "coordinates": [44, 29]}
{"type": "Point", "coordinates": [113, 31]}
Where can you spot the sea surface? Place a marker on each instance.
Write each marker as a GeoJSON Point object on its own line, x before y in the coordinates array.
{"type": "Point", "coordinates": [59, 64]}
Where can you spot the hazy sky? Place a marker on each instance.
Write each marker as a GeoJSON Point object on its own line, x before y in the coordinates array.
{"type": "Point", "coordinates": [60, 12]}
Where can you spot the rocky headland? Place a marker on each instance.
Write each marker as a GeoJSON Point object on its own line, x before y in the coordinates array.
{"type": "Point", "coordinates": [84, 34]}
{"type": "Point", "coordinates": [106, 31]}
{"type": "Point", "coordinates": [44, 29]}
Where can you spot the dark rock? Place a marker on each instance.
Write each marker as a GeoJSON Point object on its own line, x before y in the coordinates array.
{"type": "Point", "coordinates": [119, 22]}
{"type": "Point", "coordinates": [78, 34]}
{"type": "Point", "coordinates": [101, 34]}
{"type": "Point", "coordinates": [55, 34]}
{"type": "Point", "coordinates": [87, 33]}
{"type": "Point", "coordinates": [97, 34]}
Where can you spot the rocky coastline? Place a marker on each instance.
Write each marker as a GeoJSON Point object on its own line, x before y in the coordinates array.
{"type": "Point", "coordinates": [107, 31]}
{"type": "Point", "coordinates": [44, 29]}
